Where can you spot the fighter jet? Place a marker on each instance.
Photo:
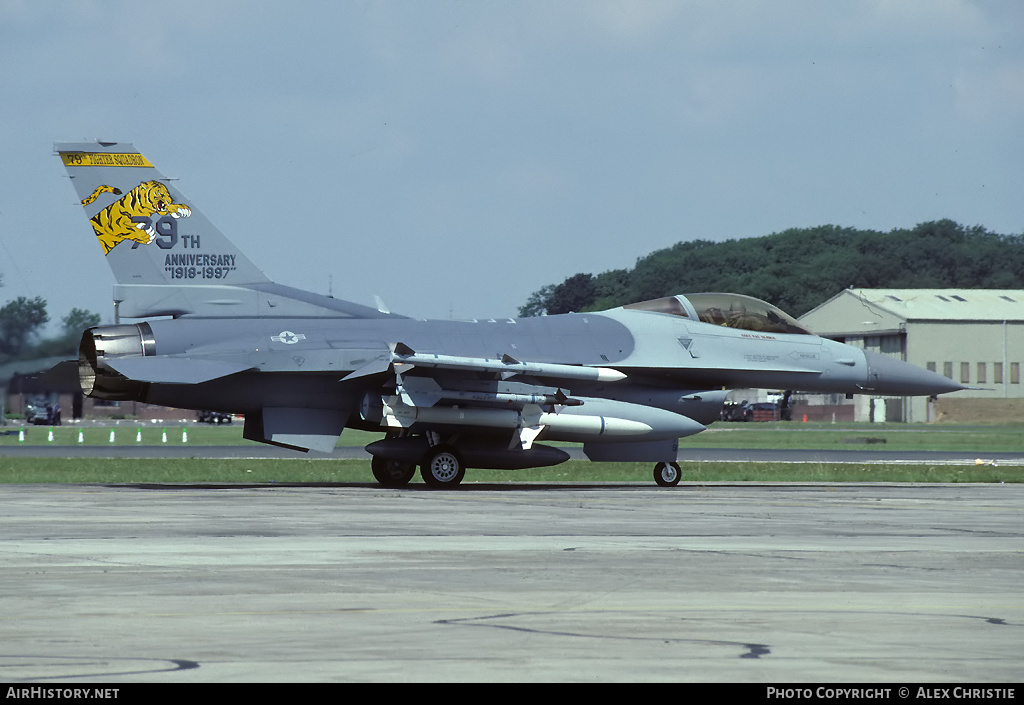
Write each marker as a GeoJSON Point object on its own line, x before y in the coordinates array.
{"type": "Point", "coordinates": [213, 332]}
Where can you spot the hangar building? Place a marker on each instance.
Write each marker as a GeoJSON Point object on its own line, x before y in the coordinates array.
{"type": "Point", "coordinates": [973, 336]}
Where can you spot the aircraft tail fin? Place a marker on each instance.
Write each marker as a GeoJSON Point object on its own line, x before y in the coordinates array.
{"type": "Point", "coordinates": [168, 259]}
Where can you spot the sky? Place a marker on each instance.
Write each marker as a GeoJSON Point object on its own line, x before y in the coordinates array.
{"type": "Point", "coordinates": [454, 156]}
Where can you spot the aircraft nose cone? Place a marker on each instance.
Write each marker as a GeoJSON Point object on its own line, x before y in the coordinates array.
{"type": "Point", "coordinates": [887, 375]}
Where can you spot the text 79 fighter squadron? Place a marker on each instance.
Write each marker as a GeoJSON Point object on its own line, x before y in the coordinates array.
{"type": "Point", "coordinates": [627, 383]}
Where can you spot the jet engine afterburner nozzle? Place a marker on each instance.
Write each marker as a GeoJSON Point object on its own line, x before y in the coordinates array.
{"type": "Point", "coordinates": [103, 343]}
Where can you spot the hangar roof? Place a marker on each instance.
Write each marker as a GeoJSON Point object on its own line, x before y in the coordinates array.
{"type": "Point", "coordinates": [858, 309]}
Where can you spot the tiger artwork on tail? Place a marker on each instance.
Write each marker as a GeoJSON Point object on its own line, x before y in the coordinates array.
{"type": "Point", "coordinates": [130, 218]}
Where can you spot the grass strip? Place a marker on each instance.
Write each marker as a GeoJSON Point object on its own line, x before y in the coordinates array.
{"type": "Point", "coordinates": [977, 440]}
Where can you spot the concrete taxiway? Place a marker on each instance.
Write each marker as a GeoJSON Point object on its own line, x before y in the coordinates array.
{"type": "Point", "coordinates": [710, 582]}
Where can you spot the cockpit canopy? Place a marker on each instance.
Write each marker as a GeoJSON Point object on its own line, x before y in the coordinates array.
{"type": "Point", "coordinates": [730, 310]}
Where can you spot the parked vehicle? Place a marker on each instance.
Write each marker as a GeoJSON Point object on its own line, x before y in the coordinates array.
{"type": "Point", "coordinates": [734, 411]}
{"type": "Point", "coordinates": [212, 417]}
{"type": "Point", "coordinates": [42, 414]}
{"type": "Point", "coordinates": [758, 411]}
{"type": "Point", "coordinates": [762, 411]}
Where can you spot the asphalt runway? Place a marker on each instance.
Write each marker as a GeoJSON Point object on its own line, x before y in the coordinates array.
{"type": "Point", "coordinates": [739, 583]}
{"type": "Point", "coordinates": [686, 454]}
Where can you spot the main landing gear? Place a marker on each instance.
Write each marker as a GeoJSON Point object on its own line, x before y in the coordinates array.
{"type": "Point", "coordinates": [441, 467]}
{"type": "Point", "coordinates": [667, 474]}
{"type": "Point", "coordinates": [392, 473]}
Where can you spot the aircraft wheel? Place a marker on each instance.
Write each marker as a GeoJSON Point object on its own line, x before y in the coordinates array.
{"type": "Point", "coordinates": [667, 474]}
{"type": "Point", "coordinates": [442, 467]}
{"type": "Point", "coordinates": [392, 473]}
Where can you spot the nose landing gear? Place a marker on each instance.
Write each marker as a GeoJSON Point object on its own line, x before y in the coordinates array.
{"type": "Point", "coordinates": [667, 474]}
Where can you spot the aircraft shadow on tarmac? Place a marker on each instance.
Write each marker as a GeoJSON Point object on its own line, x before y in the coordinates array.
{"type": "Point", "coordinates": [469, 487]}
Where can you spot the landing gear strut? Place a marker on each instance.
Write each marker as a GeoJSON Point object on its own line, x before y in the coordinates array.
{"type": "Point", "coordinates": [667, 474]}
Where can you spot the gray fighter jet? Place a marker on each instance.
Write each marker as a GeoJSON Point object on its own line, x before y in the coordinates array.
{"type": "Point", "coordinates": [627, 383]}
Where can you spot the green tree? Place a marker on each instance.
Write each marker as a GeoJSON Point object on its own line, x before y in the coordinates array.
{"type": "Point", "coordinates": [800, 268]}
{"type": "Point", "coordinates": [72, 326]}
{"type": "Point", "coordinates": [574, 294]}
{"type": "Point", "coordinates": [77, 321]}
{"type": "Point", "coordinates": [20, 321]}
{"type": "Point", "coordinates": [537, 304]}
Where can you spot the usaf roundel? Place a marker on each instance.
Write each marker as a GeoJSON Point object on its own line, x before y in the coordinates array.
{"type": "Point", "coordinates": [287, 337]}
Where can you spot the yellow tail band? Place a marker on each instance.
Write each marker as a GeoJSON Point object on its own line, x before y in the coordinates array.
{"type": "Point", "coordinates": [103, 159]}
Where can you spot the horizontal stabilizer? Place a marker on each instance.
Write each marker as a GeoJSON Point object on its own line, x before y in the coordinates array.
{"type": "Point", "coordinates": [296, 428]}
{"type": "Point", "coordinates": [63, 375]}
{"type": "Point", "coordinates": [174, 370]}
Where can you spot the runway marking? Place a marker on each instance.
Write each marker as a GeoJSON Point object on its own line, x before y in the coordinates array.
{"type": "Point", "coordinates": [753, 650]}
{"type": "Point", "coordinates": [60, 664]}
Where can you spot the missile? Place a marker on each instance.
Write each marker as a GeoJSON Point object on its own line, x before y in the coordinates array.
{"type": "Point", "coordinates": [519, 400]}
{"type": "Point", "coordinates": [395, 414]}
{"type": "Point", "coordinates": [506, 366]}
{"type": "Point", "coordinates": [425, 391]}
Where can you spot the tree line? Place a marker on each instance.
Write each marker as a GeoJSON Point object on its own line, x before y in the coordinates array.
{"type": "Point", "coordinates": [21, 322]}
{"type": "Point", "coordinates": [801, 268]}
